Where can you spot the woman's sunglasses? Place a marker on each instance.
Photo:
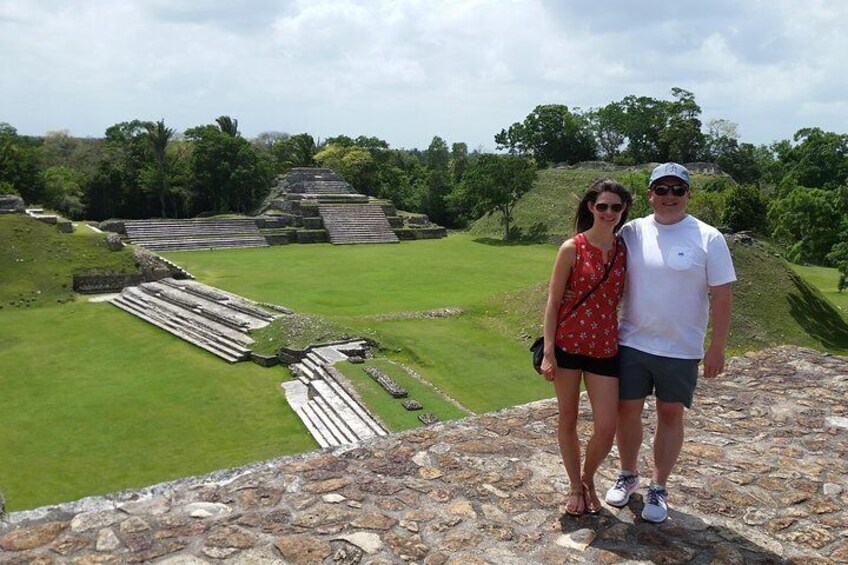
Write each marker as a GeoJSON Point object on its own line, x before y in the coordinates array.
{"type": "Point", "coordinates": [602, 207]}
{"type": "Point", "coordinates": [662, 190]}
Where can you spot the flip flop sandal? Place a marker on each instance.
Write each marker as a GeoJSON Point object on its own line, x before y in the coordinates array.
{"type": "Point", "coordinates": [571, 510]}
{"type": "Point", "coordinates": [591, 507]}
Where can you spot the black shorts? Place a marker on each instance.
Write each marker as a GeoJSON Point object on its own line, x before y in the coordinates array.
{"type": "Point", "coordinates": [606, 366]}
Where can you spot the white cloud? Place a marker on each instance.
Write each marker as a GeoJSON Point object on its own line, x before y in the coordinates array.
{"type": "Point", "coordinates": [408, 70]}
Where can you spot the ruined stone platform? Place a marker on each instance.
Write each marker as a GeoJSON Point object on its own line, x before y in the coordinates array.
{"type": "Point", "coordinates": [762, 479]}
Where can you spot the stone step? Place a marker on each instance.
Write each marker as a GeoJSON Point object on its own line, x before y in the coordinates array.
{"type": "Point", "coordinates": [332, 421]}
{"type": "Point", "coordinates": [304, 370]}
{"type": "Point", "coordinates": [200, 244]}
{"type": "Point", "coordinates": [316, 427]}
{"type": "Point", "coordinates": [335, 384]}
{"type": "Point", "coordinates": [204, 316]}
{"type": "Point", "coordinates": [230, 300]}
{"type": "Point", "coordinates": [186, 336]}
{"type": "Point", "coordinates": [200, 307]}
{"type": "Point", "coordinates": [342, 410]}
{"type": "Point", "coordinates": [350, 223]}
{"type": "Point", "coordinates": [189, 321]}
{"type": "Point", "coordinates": [194, 234]}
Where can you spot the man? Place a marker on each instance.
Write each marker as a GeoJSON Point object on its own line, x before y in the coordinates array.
{"type": "Point", "coordinates": [679, 275]}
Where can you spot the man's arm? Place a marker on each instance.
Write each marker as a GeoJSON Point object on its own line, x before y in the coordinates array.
{"type": "Point", "coordinates": [721, 302]}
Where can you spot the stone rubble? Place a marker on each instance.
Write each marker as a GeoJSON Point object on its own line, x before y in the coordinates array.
{"type": "Point", "coordinates": [762, 479]}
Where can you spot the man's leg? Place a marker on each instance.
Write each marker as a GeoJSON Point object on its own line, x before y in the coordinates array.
{"type": "Point", "coordinates": [668, 439]}
{"type": "Point", "coordinates": [629, 439]}
{"type": "Point", "coordinates": [629, 434]}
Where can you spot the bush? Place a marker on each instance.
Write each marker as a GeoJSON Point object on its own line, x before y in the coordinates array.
{"type": "Point", "coordinates": [745, 209]}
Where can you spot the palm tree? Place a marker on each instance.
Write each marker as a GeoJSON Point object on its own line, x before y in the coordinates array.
{"type": "Point", "coordinates": [158, 136]}
{"type": "Point", "coordinates": [227, 125]}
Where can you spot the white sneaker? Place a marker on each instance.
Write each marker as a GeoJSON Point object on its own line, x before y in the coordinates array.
{"type": "Point", "coordinates": [625, 485]}
{"type": "Point", "coordinates": [656, 505]}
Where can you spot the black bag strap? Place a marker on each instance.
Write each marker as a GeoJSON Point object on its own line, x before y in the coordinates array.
{"type": "Point", "coordinates": [585, 297]}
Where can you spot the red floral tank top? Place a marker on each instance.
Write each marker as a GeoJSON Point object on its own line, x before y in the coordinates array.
{"type": "Point", "coordinates": [592, 329]}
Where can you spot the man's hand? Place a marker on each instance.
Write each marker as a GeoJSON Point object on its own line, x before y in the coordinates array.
{"type": "Point", "coordinates": [713, 362]}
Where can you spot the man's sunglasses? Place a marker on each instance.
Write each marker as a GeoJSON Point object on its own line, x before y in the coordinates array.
{"type": "Point", "coordinates": [662, 190]}
{"type": "Point", "coordinates": [602, 207]}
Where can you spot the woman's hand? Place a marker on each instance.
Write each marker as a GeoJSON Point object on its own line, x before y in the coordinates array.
{"type": "Point", "coordinates": [549, 366]}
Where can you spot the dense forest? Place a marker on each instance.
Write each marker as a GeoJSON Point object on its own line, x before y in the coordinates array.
{"type": "Point", "coordinates": [794, 191]}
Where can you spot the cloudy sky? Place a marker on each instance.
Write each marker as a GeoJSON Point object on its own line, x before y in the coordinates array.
{"type": "Point", "coordinates": [405, 71]}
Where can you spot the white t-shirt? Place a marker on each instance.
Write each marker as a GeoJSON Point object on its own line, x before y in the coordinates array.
{"type": "Point", "coordinates": [665, 308]}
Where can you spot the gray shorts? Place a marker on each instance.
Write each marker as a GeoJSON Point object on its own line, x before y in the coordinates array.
{"type": "Point", "coordinates": [670, 379]}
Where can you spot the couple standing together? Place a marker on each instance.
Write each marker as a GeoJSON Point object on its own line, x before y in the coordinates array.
{"type": "Point", "coordinates": [674, 273]}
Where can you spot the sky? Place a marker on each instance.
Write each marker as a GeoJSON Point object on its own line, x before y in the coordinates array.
{"type": "Point", "coordinates": [406, 71]}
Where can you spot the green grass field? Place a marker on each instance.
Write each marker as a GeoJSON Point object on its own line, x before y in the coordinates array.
{"type": "Point", "coordinates": [826, 280]}
{"type": "Point", "coordinates": [359, 280]}
{"type": "Point", "coordinates": [37, 262]}
{"type": "Point", "coordinates": [95, 400]}
{"type": "Point", "coordinates": [390, 410]}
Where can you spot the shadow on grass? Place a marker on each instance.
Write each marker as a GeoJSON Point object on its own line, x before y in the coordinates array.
{"type": "Point", "coordinates": [535, 234]}
{"type": "Point", "coordinates": [817, 316]}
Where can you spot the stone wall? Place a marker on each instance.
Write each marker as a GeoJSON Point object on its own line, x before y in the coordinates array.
{"type": "Point", "coordinates": [86, 283]}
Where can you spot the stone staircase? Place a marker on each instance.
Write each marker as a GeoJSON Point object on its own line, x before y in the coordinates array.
{"type": "Point", "coordinates": [356, 223]}
{"type": "Point", "coordinates": [202, 315]}
{"type": "Point", "coordinates": [328, 410]}
{"type": "Point", "coordinates": [194, 234]}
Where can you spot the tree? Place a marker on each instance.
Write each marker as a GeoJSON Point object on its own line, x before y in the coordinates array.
{"type": "Point", "coordinates": [402, 177]}
{"type": "Point", "coordinates": [439, 184]}
{"type": "Point", "coordinates": [495, 183]}
{"type": "Point", "coordinates": [745, 209]}
{"type": "Point", "coordinates": [227, 125]}
{"type": "Point", "coordinates": [551, 134]}
{"type": "Point", "coordinates": [681, 138]}
{"type": "Point", "coordinates": [458, 162]}
{"type": "Point", "coordinates": [355, 164]}
{"type": "Point", "coordinates": [227, 174]}
{"type": "Point", "coordinates": [722, 138]}
{"type": "Point", "coordinates": [113, 188]}
{"type": "Point", "coordinates": [19, 166]}
{"type": "Point", "coordinates": [803, 221]}
{"type": "Point", "coordinates": [609, 125]}
{"type": "Point", "coordinates": [838, 256]}
{"type": "Point", "coordinates": [64, 188]}
{"type": "Point", "coordinates": [745, 163]}
{"type": "Point", "coordinates": [645, 118]}
{"type": "Point", "coordinates": [154, 178]}
{"type": "Point", "coordinates": [295, 151]}
{"type": "Point", "coordinates": [817, 159]}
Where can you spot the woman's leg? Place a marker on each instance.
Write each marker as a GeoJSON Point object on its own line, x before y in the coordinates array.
{"type": "Point", "coordinates": [567, 386]}
{"type": "Point", "coordinates": [603, 395]}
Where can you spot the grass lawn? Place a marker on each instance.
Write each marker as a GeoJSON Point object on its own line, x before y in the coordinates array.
{"type": "Point", "coordinates": [826, 280]}
{"type": "Point", "coordinates": [95, 401]}
{"type": "Point", "coordinates": [391, 410]}
{"type": "Point", "coordinates": [481, 368]}
{"type": "Point", "coordinates": [351, 284]}
{"type": "Point", "coordinates": [37, 262]}
{"type": "Point", "coordinates": [357, 280]}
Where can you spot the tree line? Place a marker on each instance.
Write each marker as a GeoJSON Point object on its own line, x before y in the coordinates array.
{"type": "Point", "coordinates": [795, 190]}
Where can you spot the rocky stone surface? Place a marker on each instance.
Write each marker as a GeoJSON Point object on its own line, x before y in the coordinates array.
{"type": "Point", "coordinates": [12, 204]}
{"type": "Point", "coordinates": [761, 479]}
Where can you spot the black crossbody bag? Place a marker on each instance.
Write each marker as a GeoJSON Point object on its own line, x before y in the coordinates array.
{"type": "Point", "coordinates": [538, 347]}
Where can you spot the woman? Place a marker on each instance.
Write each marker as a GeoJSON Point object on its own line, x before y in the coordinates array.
{"type": "Point", "coordinates": [581, 333]}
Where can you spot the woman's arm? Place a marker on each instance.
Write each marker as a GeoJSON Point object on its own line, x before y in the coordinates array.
{"type": "Point", "coordinates": [559, 278]}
